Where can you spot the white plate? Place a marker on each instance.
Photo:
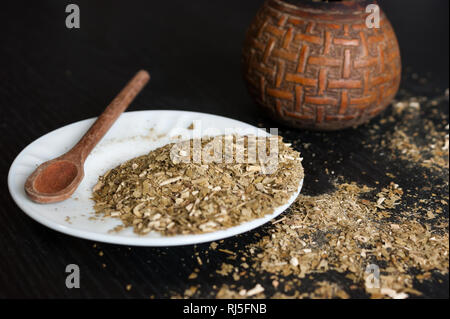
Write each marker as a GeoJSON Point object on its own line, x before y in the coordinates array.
{"type": "Point", "coordinates": [134, 134]}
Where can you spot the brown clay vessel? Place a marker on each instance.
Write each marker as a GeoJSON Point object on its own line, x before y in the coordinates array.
{"type": "Point", "coordinates": [319, 65]}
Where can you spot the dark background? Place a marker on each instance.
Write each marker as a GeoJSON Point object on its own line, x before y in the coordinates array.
{"type": "Point", "coordinates": [51, 76]}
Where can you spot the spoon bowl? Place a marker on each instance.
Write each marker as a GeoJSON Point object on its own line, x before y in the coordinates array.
{"type": "Point", "coordinates": [54, 181]}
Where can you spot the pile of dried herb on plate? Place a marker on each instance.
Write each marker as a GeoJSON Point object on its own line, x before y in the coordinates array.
{"type": "Point", "coordinates": [172, 192]}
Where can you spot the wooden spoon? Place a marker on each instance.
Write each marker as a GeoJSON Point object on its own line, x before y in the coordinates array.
{"type": "Point", "coordinates": [57, 179]}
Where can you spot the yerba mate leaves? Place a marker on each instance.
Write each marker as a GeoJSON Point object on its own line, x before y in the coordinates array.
{"type": "Point", "coordinates": [172, 192]}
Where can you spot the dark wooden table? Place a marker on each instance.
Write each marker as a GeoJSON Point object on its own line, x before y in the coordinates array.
{"type": "Point", "coordinates": [51, 76]}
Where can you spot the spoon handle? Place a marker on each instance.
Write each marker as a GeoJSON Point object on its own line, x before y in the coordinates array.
{"type": "Point", "coordinates": [103, 123]}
